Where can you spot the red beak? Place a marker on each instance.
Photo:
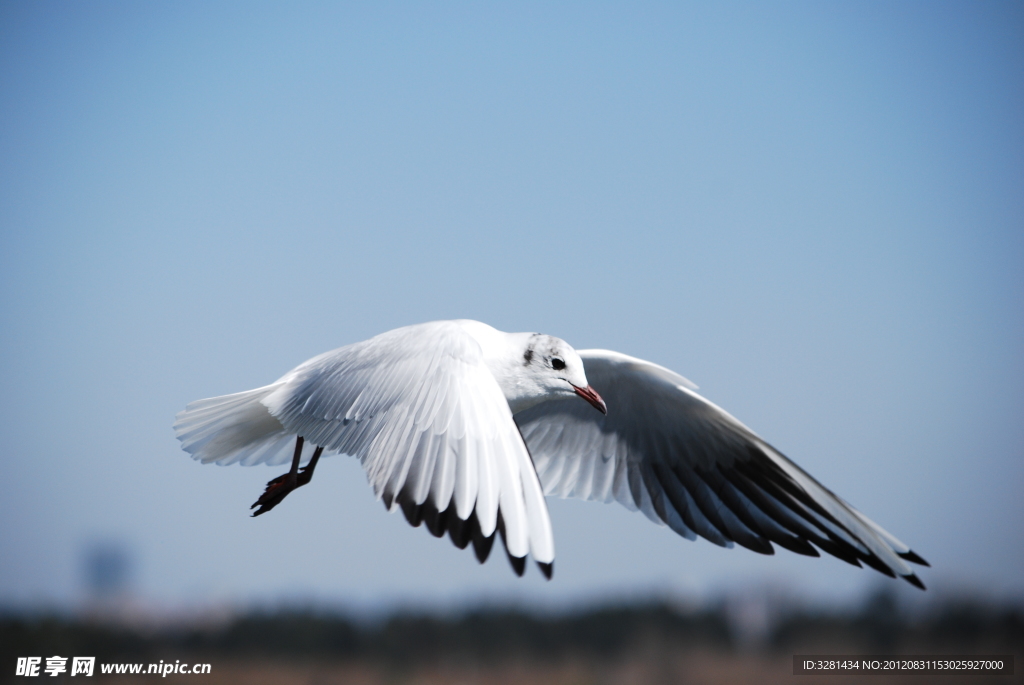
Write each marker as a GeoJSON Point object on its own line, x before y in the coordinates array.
{"type": "Point", "coordinates": [590, 395]}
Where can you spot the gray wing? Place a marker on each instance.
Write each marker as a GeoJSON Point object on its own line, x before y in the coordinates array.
{"type": "Point", "coordinates": [433, 431]}
{"type": "Point", "coordinates": [688, 464]}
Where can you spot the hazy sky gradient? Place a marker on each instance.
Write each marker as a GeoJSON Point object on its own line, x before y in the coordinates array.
{"type": "Point", "coordinates": [814, 211]}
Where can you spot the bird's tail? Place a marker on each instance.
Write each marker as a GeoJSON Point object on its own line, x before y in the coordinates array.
{"type": "Point", "coordinates": [233, 428]}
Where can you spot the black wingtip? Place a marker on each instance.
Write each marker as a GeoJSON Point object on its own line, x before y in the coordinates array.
{"type": "Point", "coordinates": [436, 521]}
{"type": "Point", "coordinates": [518, 564]}
{"type": "Point", "coordinates": [915, 581]}
{"type": "Point", "coordinates": [461, 532]}
{"type": "Point", "coordinates": [914, 558]}
{"type": "Point", "coordinates": [759, 544]}
{"type": "Point", "coordinates": [547, 569]}
{"type": "Point", "coordinates": [796, 544]}
{"type": "Point", "coordinates": [482, 547]}
{"type": "Point", "coordinates": [413, 512]}
{"type": "Point", "coordinates": [874, 562]}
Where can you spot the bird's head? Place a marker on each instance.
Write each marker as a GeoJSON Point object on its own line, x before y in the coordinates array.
{"type": "Point", "coordinates": [551, 368]}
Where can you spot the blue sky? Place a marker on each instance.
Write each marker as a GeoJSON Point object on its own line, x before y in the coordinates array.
{"type": "Point", "coordinates": [814, 211]}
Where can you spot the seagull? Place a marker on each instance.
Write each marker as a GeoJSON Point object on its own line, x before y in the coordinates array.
{"type": "Point", "coordinates": [466, 429]}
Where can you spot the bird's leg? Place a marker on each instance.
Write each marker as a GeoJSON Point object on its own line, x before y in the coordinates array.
{"type": "Point", "coordinates": [306, 472]}
{"type": "Point", "coordinates": [278, 488]}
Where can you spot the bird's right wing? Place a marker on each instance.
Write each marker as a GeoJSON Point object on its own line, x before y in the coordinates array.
{"type": "Point", "coordinates": [433, 430]}
{"type": "Point", "coordinates": [685, 462]}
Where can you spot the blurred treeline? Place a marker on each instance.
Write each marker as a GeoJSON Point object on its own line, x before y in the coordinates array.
{"type": "Point", "coordinates": [490, 635]}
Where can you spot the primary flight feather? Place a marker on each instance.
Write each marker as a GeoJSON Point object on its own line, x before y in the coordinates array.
{"type": "Point", "coordinates": [466, 429]}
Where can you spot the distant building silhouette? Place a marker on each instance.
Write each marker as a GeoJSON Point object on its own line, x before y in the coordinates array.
{"type": "Point", "coordinates": [107, 570]}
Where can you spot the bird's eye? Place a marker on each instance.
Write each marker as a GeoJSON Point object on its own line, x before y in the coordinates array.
{"type": "Point", "coordinates": [557, 364]}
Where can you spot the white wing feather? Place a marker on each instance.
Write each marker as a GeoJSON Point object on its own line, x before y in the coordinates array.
{"type": "Point", "coordinates": [688, 464]}
{"type": "Point", "coordinates": [420, 410]}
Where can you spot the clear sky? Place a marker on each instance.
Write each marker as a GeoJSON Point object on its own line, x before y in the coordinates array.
{"type": "Point", "coordinates": [815, 211]}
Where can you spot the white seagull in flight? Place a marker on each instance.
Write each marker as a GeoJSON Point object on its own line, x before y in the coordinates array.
{"type": "Point", "coordinates": [467, 428]}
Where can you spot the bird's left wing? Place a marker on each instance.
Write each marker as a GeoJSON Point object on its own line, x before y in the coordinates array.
{"type": "Point", "coordinates": [685, 462]}
{"type": "Point", "coordinates": [434, 433]}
